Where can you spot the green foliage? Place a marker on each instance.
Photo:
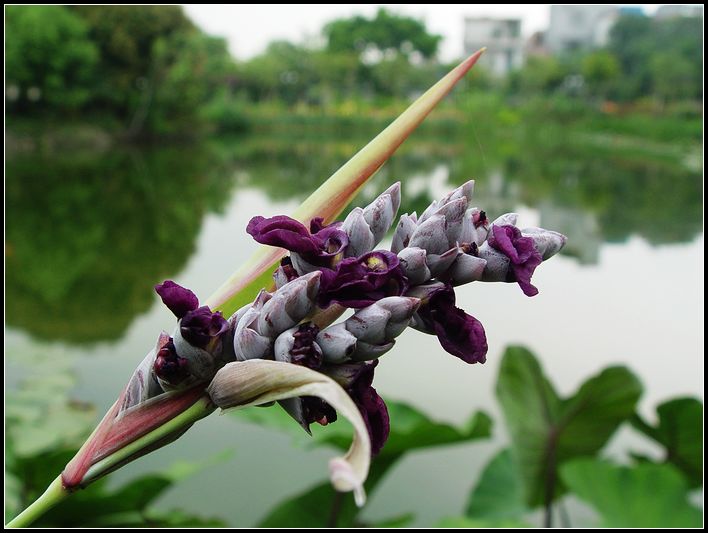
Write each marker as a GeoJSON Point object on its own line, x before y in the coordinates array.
{"type": "Point", "coordinates": [499, 494]}
{"type": "Point", "coordinates": [600, 69]}
{"type": "Point", "coordinates": [386, 33]}
{"type": "Point", "coordinates": [680, 432]}
{"type": "Point", "coordinates": [469, 523]}
{"type": "Point", "coordinates": [147, 66]}
{"type": "Point", "coordinates": [642, 496]}
{"type": "Point", "coordinates": [547, 430]}
{"type": "Point", "coordinates": [410, 430]}
{"type": "Point", "coordinates": [48, 57]}
{"type": "Point", "coordinates": [658, 56]}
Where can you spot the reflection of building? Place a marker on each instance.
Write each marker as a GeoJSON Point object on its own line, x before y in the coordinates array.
{"type": "Point", "coordinates": [575, 27]}
{"type": "Point", "coordinates": [581, 228]}
{"type": "Point", "coordinates": [674, 10]}
{"type": "Point", "coordinates": [502, 37]}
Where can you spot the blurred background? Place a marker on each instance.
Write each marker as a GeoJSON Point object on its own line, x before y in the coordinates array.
{"type": "Point", "coordinates": [141, 139]}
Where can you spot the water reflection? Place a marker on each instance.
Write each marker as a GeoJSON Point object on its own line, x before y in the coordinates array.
{"type": "Point", "coordinates": [89, 234]}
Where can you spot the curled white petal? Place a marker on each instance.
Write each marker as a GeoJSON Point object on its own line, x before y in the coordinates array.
{"type": "Point", "coordinates": [246, 383]}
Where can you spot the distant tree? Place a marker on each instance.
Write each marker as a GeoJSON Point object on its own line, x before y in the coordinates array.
{"type": "Point", "coordinates": [49, 58]}
{"type": "Point", "coordinates": [672, 77]}
{"type": "Point", "coordinates": [600, 69]}
{"type": "Point", "coordinates": [387, 34]}
{"type": "Point", "coordinates": [643, 47]}
{"type": "Point", "coordinates": [126, 37]}
{"type": "Point", "coordinates": [540, 74]}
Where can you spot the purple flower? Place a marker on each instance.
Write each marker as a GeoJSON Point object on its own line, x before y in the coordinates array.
{"type": "Point", "coordinates": [356, 379]}
{"type": "Point", "coordinates": [460, 334]}
{"type": "Point", "coordinates": [361, 281]}
{"type": "Point", "coordinates": [371, 405]}
{"type": "Point", "coordinates": [198, 325]}
{"type": "Point", "coordinates": [305, 351]}
{"type": "Point", "coordinates": [321, 246]}
{"type": "Point", "coordinates": [168, 365]}
{"type": "Point", "coordinates": [522, 254]}
{"type": "Point", "coordinates": [178, 299]}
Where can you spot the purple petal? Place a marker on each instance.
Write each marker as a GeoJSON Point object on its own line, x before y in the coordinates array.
{"type": "Point", "coordinates": [284, 232]}
{"type": "Point", "coordinates": [169, 366]}
{"type": "Point", "coordinates": [330, 240]}
{"type": "Point", "coordinates": [178, 299]}
{"type": "Point", "coordinates": [201, 326]}
{"type": "Point", "coordinates": [361, 281]}
{"type": "Point", "coordinates": [371, 405]}
{"type": "Point", "coordinates": [460, 334]}
{"type": "Point", "coordinates": [375, 414]}
{"type": "Point", "coordinates": [522, 253]}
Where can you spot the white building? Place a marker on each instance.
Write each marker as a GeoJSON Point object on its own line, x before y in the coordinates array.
{"type": "Point", "coordinates": [502, 37]}
{"type": "Point", "coordinates": [575, 27]}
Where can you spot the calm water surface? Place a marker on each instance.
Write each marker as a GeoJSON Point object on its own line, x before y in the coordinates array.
{"type": "Point", "coordinates": [88, 235]}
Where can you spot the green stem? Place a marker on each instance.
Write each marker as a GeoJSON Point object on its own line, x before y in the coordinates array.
{"type": "Point", "coordinates": [53, 495]}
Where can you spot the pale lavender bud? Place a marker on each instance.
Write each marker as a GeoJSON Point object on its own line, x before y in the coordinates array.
{"type": "Point", "coordinates": [380, 213]}
{"type": "Point", "coordinates": [463, 191]}
{"type": "Point", "coordinates": [301, 266]}
{"type": "Point", "coordinates": [248, 343]}
{"type": "Point", "coordinates": [440, 263]}
{"type": "Point", "coordinates": [431, 235]}
{"type": "Point", "coordinates": [475, 227]}
{"type": "Point", "coordinates": [369, 324]}
{"type": "Point", "coordinates": [143, 384]}
{"type": "Point", "coordinates": [288, 305]}
{"type": "Point", "coordinates": [497, 266]}
{"type": "Point", "coordinates": [407, 224]}
{"type": "Point", "coordinates": [548, 243]}
{"type": "Point", "coordinates": [285, 273]}
{"type": "Point", "coordinates": [370, 332]}
{"type": "Point", "coordinates": [402, 309]}
{"type": "Point", "coordinates": [367, 352]}
{"type": "Point", "coordinates": [429, 211]}
{"type": "Point", "coordinates": [361, 239]}
{"type": "Point", "coordinates": [200, 363]}
{"type": "Point", "coordinates": [454, 212]}
{"type": "Point", "coordinates": [413, 262]}
{"type": "Point", "coordinates": [507, 219]}
{"type": "Point", "coordinates": [465, 269]}
{"type": "Point", "coordinates": [336, 343]}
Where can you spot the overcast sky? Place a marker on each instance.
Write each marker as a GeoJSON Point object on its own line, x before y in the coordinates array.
{"type": "Point", "coordinates": [249, 28]}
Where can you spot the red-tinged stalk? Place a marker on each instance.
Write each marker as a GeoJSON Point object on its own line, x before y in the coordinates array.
{"type": "Point", "coordinates": [121, 438]}
{"type": "Point", "coordinates": [115, 431]}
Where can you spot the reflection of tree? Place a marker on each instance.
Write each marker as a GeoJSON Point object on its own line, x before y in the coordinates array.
{"type": "Point", "coordinates": [626, 192]}
{"type": "Point", "coordinates": [88, 236]}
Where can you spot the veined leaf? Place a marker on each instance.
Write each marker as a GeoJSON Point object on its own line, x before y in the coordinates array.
{"type": "Point", "coordinates": [644, 496]}
{"type": "Point", "coordinates": [680, 431]}
{"type": "Point", "coordinates": [334, 195]}
{"type": "Point", "coordinates": [547, 430]}
{"type": "Point", "coordinates": [499, 494]}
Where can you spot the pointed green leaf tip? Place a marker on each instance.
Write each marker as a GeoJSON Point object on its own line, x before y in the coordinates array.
{"type": "Point", "coordinates": [334, 195]}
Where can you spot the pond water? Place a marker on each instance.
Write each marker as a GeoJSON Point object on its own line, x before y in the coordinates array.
{"type": "Point", "coordinates": [89, 234]}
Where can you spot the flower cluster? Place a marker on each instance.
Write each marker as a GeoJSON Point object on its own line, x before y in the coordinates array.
{"type": "Point", "coordinates": [334, 267]}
